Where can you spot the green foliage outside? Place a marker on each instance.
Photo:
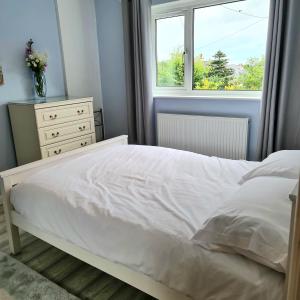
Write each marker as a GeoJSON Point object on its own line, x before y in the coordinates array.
{"type": "Point", "coordinates": [171, 72]}
{"type": "Point", "coordinates": [214, 74]}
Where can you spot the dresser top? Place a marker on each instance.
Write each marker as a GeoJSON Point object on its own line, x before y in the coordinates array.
{"type": "Point", "coordinates": [52, 101]}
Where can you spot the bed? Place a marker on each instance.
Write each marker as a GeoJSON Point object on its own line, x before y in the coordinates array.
{"type": "Point", "coordinates": [140, 230]}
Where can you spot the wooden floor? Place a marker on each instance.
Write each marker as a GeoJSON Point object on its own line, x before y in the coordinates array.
{"type": "Point", "coordinates": [77, 277]}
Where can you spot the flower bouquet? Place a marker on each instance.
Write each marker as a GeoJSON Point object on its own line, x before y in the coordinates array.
{"type": "Point", "coordinates": [37, 63]}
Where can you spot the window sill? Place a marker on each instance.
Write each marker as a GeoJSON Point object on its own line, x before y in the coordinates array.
{"type": "Point", "coordinates": [208, 97]}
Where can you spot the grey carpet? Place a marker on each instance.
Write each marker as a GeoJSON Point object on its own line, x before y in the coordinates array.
{"type": "Point", "coordinates": [20, 282]}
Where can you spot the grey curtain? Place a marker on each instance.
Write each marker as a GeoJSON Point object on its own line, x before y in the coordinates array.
{"type": "Point", "coordinates": [137, 39]}
{"type": "Point", "coordinates": [280, 122]}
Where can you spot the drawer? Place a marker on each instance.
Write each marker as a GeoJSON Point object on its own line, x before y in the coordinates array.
{"type": "Point", "coordinates": [59, 148]}
{"type": "Point", "coordinates": [64, 113]}
{"type": "Point", "coordinates": [58, 133]}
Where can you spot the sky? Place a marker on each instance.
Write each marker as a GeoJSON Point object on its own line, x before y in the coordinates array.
{"type": "Point", "coordinates": [238, 29]}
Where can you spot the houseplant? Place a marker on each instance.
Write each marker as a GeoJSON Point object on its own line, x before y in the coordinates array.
{"type": "Point", "coordinates": [37, 63]}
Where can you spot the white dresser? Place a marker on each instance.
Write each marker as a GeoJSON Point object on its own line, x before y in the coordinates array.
{"type": "Point", "coordinates": [41, 130]}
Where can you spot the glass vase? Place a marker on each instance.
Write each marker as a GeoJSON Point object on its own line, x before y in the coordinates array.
{"type": "Point", "coordinates": [39, 86]}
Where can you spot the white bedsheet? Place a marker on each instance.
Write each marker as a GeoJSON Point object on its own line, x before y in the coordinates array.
{"type": "Point", "coordinates": [140, 206]}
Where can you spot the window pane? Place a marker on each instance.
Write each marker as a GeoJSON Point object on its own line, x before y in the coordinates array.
{"type": "Point", "coordinates": [170, 47]}
{"type": "Point", "coordinates": [229, 46]}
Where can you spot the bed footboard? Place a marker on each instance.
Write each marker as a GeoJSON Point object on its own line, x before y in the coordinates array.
{"type": "Point", "coordinates": [14, 176]}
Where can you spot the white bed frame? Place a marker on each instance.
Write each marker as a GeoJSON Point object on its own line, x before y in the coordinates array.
{"type": "Point", "coordinates": [14, 221]}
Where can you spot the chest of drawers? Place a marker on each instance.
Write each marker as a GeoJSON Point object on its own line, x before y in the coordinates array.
{"type": "Point", "coordinates": [42, 130]}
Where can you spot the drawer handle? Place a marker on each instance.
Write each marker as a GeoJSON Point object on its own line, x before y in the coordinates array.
{"type": "Point", "coordinates": [80, 112]}
{"type": "Point", "coordinates": [57, 152]}
{"type": "Point", "coordinates": [84, 144]}
{"type": "Point", "coordinates": [55, 134]}
{"type": "Point", "coordinates": [53, 117]}
{"type": "Point", "coordinates": [81, 128]}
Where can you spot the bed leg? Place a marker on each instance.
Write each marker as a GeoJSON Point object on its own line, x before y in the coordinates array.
{"type": "Point", "coordinates": [12, 230]}
{"type": "Point", "coordinates": [14, 240]}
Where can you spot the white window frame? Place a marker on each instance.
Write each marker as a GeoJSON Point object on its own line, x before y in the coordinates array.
{"type": "Point", "coordinates": [186, 8]}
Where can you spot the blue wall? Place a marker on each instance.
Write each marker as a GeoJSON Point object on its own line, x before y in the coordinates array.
{"type": "Point", "coordinates": [112, 66]}
{"type": "Point", "coordinates": [249, 108]}
{"type": "Point", "coordinates": [19, 21]}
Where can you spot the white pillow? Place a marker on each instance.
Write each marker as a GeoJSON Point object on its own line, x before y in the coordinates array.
{"type": "Point", "coordinates": [255, 223]}
{"type": "Point", "coordinates": [284, 163]}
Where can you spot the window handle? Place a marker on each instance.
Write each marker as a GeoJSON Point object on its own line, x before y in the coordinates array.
{"type": "Point", "coordinates": [184, 54]}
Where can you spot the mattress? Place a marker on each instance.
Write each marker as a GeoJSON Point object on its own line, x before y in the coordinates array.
{"type": "Point", "coordinates": [140, 206]}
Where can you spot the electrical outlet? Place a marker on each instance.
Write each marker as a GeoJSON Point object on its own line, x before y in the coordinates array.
{"type": "Point", "coordinates": [1, 76]}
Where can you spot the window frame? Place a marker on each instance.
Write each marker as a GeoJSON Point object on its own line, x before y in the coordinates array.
{"type": "Point", "coordinates": [186, 8]}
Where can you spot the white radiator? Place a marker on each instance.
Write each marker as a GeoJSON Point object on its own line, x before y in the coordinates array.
{"type": "Point", "coordinates": [213, 136]}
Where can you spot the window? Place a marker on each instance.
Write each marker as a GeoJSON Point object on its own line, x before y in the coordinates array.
{"type": "Point", "coordinates": [205, 49]}
{"type": "Point", "coordinates": [170, 58]}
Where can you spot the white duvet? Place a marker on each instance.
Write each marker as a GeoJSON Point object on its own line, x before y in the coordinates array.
{"type": "Point", "coordinates": [140, 206]}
